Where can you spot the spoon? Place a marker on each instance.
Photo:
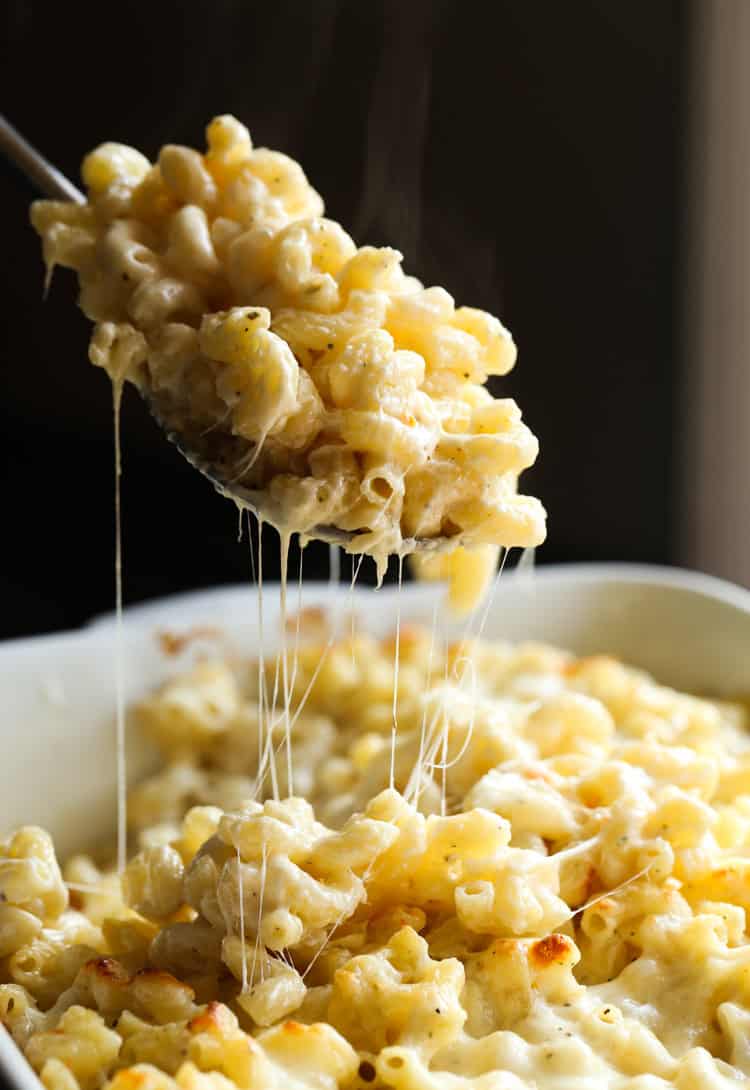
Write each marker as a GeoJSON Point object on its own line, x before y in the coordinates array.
{"type": "Point", "coordinates": [205, 452]}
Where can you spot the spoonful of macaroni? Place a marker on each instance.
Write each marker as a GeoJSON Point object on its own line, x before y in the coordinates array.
{"type": "Point", "coordinates": [310, 380]}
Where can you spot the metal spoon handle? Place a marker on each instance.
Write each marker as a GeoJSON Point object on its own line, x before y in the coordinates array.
{"type": "Point", "coordinates": [43, 176]}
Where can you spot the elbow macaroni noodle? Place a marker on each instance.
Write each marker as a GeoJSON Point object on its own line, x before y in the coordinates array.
{"type": "Point", "coordinates": [553, 893]}
{"type": "Point", "coordinates": [294, 362]}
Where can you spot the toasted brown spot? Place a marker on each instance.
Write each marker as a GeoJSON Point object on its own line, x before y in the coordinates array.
{"type": "Point", "coordinates": [174, 643]}
{"type": "Point", "coordinates": [215, 1018]}
{"type": "Point", "coordinates": [75, 900]}
{"type": "Point", "coordinates": [294, 1027]}
{"type": "Point", "coordinates": [549, 950]}
{"type": "Point", "coordinates": [116, 973]}
{"type": "Point", "coordinates": [107, 969]}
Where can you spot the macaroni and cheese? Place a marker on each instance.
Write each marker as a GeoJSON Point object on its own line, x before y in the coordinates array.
{"type": "Point", "coordinates": [393, 864]}
{"type": "Point", "coordinates": [291, 361]}
{"type": "Point", "coordinates": [550, 892]}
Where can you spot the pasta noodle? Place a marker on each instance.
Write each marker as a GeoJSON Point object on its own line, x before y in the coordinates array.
{"type": "Point", "coordinates": [293, 362]}
{"type": "Point", "coordinates": [570, 912]}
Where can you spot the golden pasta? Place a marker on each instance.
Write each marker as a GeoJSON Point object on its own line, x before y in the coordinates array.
{"type": "Point", "coordinates": [293, 361]}
{"type": "Point", "coordinates": [553, 893]}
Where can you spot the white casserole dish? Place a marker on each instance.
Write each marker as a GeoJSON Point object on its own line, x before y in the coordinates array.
{"type": "Point", "coordinates": [57, 732]}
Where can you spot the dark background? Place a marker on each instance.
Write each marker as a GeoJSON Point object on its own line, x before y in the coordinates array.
{"type": "Point", "coordinates": [526, 154]}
